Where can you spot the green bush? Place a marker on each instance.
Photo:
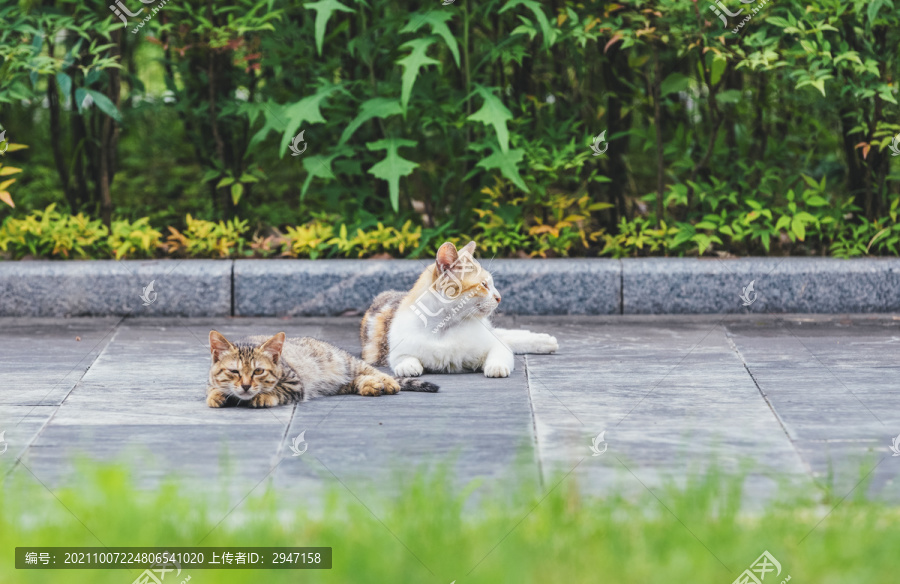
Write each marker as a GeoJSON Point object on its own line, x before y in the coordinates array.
{"type": "Point", "coordinates": [49, 233]}
{"type": "Point", "coordinates": [774, 137]}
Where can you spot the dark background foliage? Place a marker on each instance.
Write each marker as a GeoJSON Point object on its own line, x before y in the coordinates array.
{"type": "Point", "coordinates": [424, 122]}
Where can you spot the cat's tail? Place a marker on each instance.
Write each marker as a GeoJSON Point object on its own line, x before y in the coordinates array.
{"type": "Point", "coordinates": [415, 384]}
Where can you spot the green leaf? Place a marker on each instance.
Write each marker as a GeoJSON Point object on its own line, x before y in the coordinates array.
{"type": "Point", "coordinates": [248, 178]}
{"type": "Point", "coordinates": [224, 182]}
{"type": "Point", "coordinates": [494, 113]}
{"type": "Point", "coordinates": [275, 120]}
{"type": "Point", "coordinates": [729, 96]}
{"type": "Point", "coordinates": [80, 94]}
{"type": "Point", "coordinates": [548, 32]}
{"type": "Point", "coordinates": [437, 20]}
{"type": "Point", "coordinates": [319, 166]}
{"type": "Point", "coordinates": [105, 105]}
{"type": "Point", "coordinates": [237, 189]}
{"type": "Point", "coordinates": [716, 68]}
{"type": "Point", "coordinates": [809, 180]}
{"type": "Point", "coordinates": [798, 228]}
{"type": "Point", "coordinates": [816, 201]}
{"type": "Point", "coordinates": [817, 83]}
{"type": "Point", "coordinates": [305, 110]}
{"type": "Point", "coordinates": [506, 162]}
{"type": "Point", "coordinates": [393, 166]}
{"type": "Point", "coordinates": [324, 9]}
{"type": "Point", "coordinates": [411, 65]}
{"type": "Point", "coordinates": [887, 96]}
{"type": "Point", "coordinates": [673, 83]}
{"type": "Point", "coordinates": [210, 175]}
{"type": "Point", "coordinates": [377, 107]}
{"type": "Point", "coordinates": [65, 84]}
{"type": "Point", "coordinates": [873, 8]}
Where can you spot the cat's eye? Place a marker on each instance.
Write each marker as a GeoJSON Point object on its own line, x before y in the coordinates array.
{"type": "Point", "coordinates": [485, 284]}
{"type": "Point", "coordinates": [234, 371]}
{"type": "Point", "coordinates": [257, 371]}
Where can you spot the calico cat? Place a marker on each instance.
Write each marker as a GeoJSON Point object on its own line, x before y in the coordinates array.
{"type": "Point", "coordinates": [262, 372]}
{"type": "Point", "coordinates": [454, 300]}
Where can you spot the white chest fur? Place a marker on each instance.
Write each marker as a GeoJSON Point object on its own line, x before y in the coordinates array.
{"type": "Point", "coordinates": [462, 347]}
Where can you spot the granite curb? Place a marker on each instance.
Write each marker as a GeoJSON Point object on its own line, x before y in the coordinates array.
{"type": "Point", "coordinates": [779, 285]}
{"type": "Point", "coordinates": [345, 287]}
{"type": "Point", "coordinates": [116, 288]}
{"type": "Point", "coordinates": [644, 286]}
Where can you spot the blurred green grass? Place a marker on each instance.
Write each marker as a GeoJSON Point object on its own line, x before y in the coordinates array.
{"type": "Point", "coordinates": [428, 532]}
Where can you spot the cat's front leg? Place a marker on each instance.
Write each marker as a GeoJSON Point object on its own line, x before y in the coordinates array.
{"type": "Point", "coordinates": [407, 366]}
{"type": "Point", "coordinates": [499, 361]}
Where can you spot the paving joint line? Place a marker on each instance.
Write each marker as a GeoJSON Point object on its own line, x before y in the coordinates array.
{"type": "Point", "coordinates": [537, 443]}
{"type": "Point", "coordinates": [56, 407]}
{"type": "Point", "coordinates": [778, 418]}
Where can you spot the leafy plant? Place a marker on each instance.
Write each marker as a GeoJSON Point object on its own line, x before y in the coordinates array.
{"type": "Point", "coordinates": [207, 238]}
{"type": "Point", "coordinates": [48, 233]}
{"type": "Point", "coordinates": [134, 239]}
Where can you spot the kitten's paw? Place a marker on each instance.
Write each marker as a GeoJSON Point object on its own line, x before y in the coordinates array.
{"type": "Point", "coordinates": [370, 386]}
{"type": "Point", "coordinates": [409, 367]}
{"type": "Point", "coordinates": [216, 399]}
{"type": "Point", "coordinates": [263, 400]}
{"type": "Point", "coordinates": [391, 386]}
{"type": "Point", "coordinates": [496, 370]}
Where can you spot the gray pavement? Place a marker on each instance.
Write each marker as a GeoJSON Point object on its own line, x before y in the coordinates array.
{"type": "Point", "coordinates": [806, 400]}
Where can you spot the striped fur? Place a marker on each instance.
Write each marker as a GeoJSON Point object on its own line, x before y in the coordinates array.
{"type": "Point", "coordinates": [264, 371]}
{"type": "Point", "coordinates": [376, 323]}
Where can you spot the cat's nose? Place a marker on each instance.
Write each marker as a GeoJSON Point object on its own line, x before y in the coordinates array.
{"type": "Point", "coordinates": [245, 387]}
{"type": "Point", "coordinates": [497, 298]}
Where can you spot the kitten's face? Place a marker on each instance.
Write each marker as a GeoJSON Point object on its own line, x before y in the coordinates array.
{"type": "Point", "coordinates": [460, 277]}
{"type": "Point", "coordinates": [241, 370]}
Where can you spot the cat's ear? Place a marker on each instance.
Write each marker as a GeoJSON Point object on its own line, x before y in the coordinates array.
{"type": "Point", "coordinates": [218, 344]}
{"type": "Point", "coordinates": [469, 249]}
{"type": "Point", "coordinates": [446, 257]}
{"type": "Point", "coordinates": [272, 348]}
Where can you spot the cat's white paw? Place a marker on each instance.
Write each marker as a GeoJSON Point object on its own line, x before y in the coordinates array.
{"type": "Point", "coordinates": [546, 344]}
{"type": "Point", "coordinates": [496, 370]}
{"type": "Point", "coordinates": [409, 367]}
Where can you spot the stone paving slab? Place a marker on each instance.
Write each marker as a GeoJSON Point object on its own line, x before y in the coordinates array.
{"type": "Point", "coordinates": [838, 395]}
{"type": "Point", "coordinates": [672, 393]}
{"type": "Point", "coordinates": [667, 398]}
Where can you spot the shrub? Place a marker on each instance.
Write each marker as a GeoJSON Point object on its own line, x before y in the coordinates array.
{"type": "Point", "coordinates": [47, 233]}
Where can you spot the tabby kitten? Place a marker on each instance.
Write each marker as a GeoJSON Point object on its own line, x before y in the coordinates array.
{"type": "Point", "coordinates": [443, 323]}
{"type": "Point", "coordinates": [262, 372]}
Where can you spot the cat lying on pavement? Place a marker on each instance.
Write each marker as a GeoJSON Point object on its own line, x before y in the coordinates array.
{"type": "Point", "coordinates": [443, 323]}
{"type": "Point", "coordinates": [261, 372]}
